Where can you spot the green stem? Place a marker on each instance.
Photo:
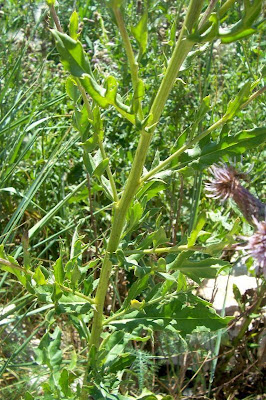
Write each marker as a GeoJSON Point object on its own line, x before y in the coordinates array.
{"type": "Point", "coordinates": [185, 147]}
{"type": "Point", "coordinates": [120, 212]}
{"type": "Point", "coordinates": [133, 65]}
{"type": "Point", "coordinates": [109, 173]}
{"type": "Point", "coordinates": [168, 250]}
{"type": "Point", "coordinates": [223, 10]}
{"type": "Point", "coordinates": [181, 50]}
{"type": "Point", "coordinates": [182, 150]}
{"type": "Point", "coordinates": [90, 114]}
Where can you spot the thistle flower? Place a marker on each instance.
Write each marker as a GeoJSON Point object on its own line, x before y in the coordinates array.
{"type": "Point", "coordinates": [256, 247]}
{"type": "Point", "coordinates": [225, 184]}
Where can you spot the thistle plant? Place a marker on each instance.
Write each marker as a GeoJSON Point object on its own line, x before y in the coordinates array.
{"type": "Point", "coordinates": [166, 304]}
{"type": "Point", "coordinates": [256, 247]}
{"type": "Point", "coordinates": [225, 184]}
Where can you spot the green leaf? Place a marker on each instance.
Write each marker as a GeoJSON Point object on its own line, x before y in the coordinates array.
{"type": "Point", "coordinates": [72, 54]}
{"type": "Point", "coordinates": [234, 105]}
{"type": "Point", "coordinates": [48, 351]}
{"type": "Point", "coordinates": [57, 293]}
{"type": "Point", "coordinates": [75, 275]}
{"type": "Point", "coordinates": [208, 268]}
{"type": "Point", "coordinates": [184, 312]}
{"type": "Point", "coordinates": [150, 189]}
{"type": "Point", "coordinates": [64, 382]}
{"type": "Point", "coordinates": [140, 33]}
{"type": "Point", "coordinates": [106, 97]}
{"type": "Point", "coordinates": [73, 25]}
{"type": "Point", "coordinates": [238, 297]}
{"type": "Point", "coordinates": [39, 277]}
{"type": "Point", "coordinates": [12, 270]}
{"type": "Point", "coordinates": [99, 170]}
{"type": "Point", "coordinates": [81, 122]}
{"type": "Point", "coordinates": [96, 91]}
{"type": "Point", "coordinates": [136, 288]}
{"type": "Point", "coordinates": [90, 145]}
{"type": "Point", "coordinates": [59, 271]}
{"type": "Point", "coordinates": [134, 214]}
{"type": "Point", "coordinates": [159, 237]}
{"type": "Point", "coordinates": [227, 146]}
{"type": "Point", "coordinates": [195, 232]}
{"type": "Point", "coordinates": [72, 89]}
{"type": "Point", "coordinates": [245, 27]}
{"type": "Point", "coordinates": [28, 396]}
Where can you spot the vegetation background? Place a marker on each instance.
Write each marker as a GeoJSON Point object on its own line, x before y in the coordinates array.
{"type": "Point", "coordinates": [49, 201]}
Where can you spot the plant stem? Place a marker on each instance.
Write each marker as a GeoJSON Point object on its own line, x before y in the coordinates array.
{"type": "Point", "coordinates": [103, 153]}
{"type": "Point", "coordinates": [182, 48]}
{"type": "Point", "coordinates": [182, 150]}
{"type": "Point", "coordinates": [55, 18]}
{"type": "Point", "coordinates": [133, 65]}
{"type": "Point", "coordinates": [120, 210]}
{"type": "Point", "coordinates": [160, 250]}
{"type": "Point", "coordinates": [185, 147]}
{"type": "Point", "coordinates": [109, 173]}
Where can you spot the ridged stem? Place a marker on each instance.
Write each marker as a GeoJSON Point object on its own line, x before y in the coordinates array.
{"type": "Point", "coordinates": [183, 46]}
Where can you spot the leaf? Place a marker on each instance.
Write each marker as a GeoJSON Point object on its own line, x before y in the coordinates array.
{"type": "Point", "coordinates": [238, 297]}
{"type": "Point", "coordinates": [150, 189]}
{"type": "Point", "coordinates": [159, 237]}
{"type": "Point", "coordinates": [48, 351]}
{"type": "Point", "coordinates": [140, 33]}
{"type": "Point", "coordinates": [136, 288]}
{"type": "Point", "coordinates": [81, 122]}
{"type": "Point", "coordinates": [134, 214]}
{"type": "Point", "coordinates": [72, 54]}
{"type": "Point", "coordinates": [72, 89]}
{"type": "Point", "coordinates": [123, 361]}
{"type": "Point", "coordinates": [73, 25]}
{"type": "Point", "coordinates": [10, 268]}
{"type": "Point", "coordinates": [96, 165]}
{"type": "Point", "coordinates": [244, 27]}
{"type": "Point", "coordinates": [57, 293]}
{"type": "Point", "coordinates": [106, 97]}
{"type": "Point", "coordinates": [208, 268]}
{"type": "Point", "coordinates": [75, 275]}
{"type": "Point", "coordinates": [99, 170]}
{"type": "Point", "coordinates": [59, 271]}
{"type": "Point", "coordinates": [195, 232]}
{"type": "Point", "coordinates": [228, 146]}
{"type": "Point", "coordinates": [39, 277]}
{"type": "Point", "coordinates": [28, 396]}
{"type": "Point", "coordinates": [234, 105]}
{"type": "Point", "coordinates": [64, 382]}
{"type": "Point", "coordinates": [184, 312]}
